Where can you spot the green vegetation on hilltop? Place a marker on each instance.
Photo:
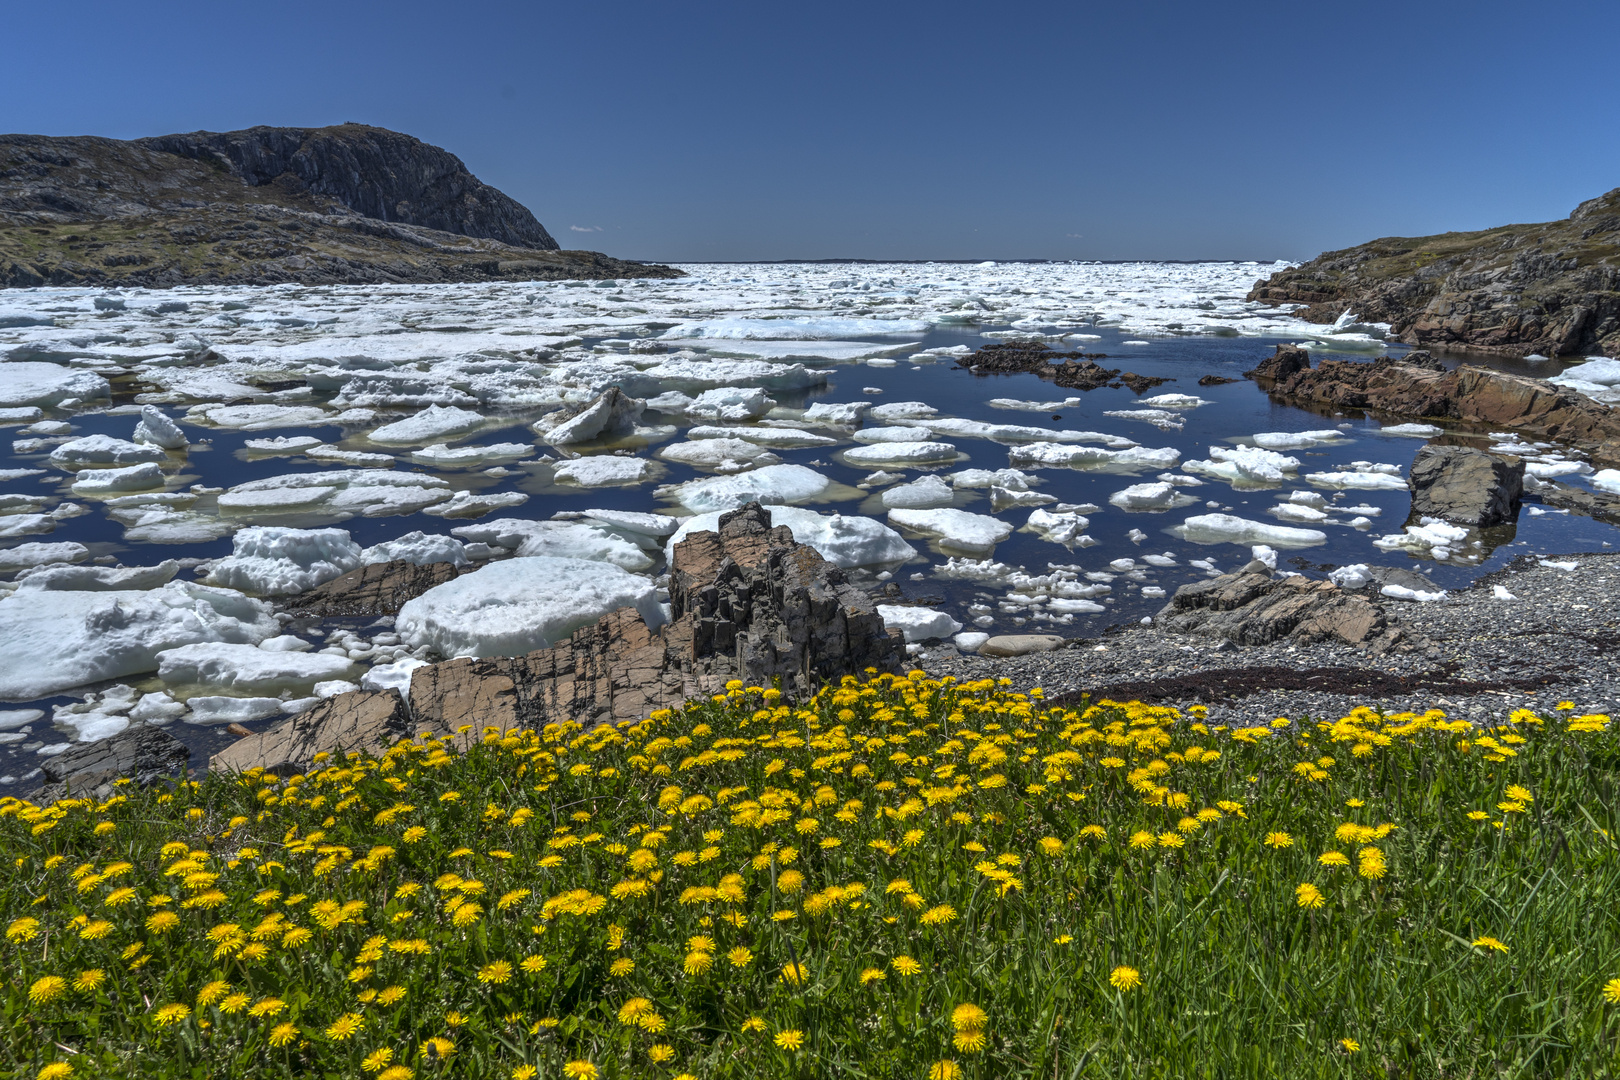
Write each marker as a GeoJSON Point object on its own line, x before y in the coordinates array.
{"type": "Point", "coordinates": [901, 878]}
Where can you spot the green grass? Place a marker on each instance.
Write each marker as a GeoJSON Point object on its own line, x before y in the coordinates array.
{"type": "Point", "coordinates": [898, 879]}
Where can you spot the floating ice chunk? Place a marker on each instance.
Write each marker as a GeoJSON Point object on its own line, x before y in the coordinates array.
{"type": "Point", "coordinates": [575, 541]}
{"type": "Point", "coordinates": [334, 687]}
{"type": "Point", "coordinates": [807, 328]}
{"type": "Point", "coordinates": [37, 554]}
{"type": "Point", "coordinates": [213, 710]}
{"type": "Point", "coordinates": [1291, 511]}
{"type": "Point", "coordinates": [419, 548]}
{"type": "Point", "coordinates": [1547, 470]}
{"type": "Point", "coordinates": [464, 504]}
{"type": "Point", "coordinates": [23, 384]}
{"type": "Point", "coordinates": [97, 578]}
{"type": "Point", "coordinates": [723, 455]}
{"type": "Point", "coordinates": [1264, 553]}
{"type": "Point", "coordinates": [1432, 537]}
{"type": "Point", "coordinates": [102, 450]}
{"type": "Point", "coordinates": [730, 403]}
{"type": "Point", "coordinates": [951, 427]}
{"type": "Point", "coordinates": [838, 414]}
{"type": "Point", "coordinates": [772, 485]}
{"type": "Point", "coordinates": [1597, 379]}
{"type": "Point", "coordinates": [917, 623]}
{"type": "Point", "coordinates": [350, 457]}
{"type": "Point", "coordinates": [1011, 479]}
{"type": "Point", "coordinates": [1355, 576]}
{"type": "Point", "coordinates": [1001, 498]}
{"type": "Point", "coordinates": [436, 422]}
{"type": "Point", "coordinates": [1228, 529]}
{"type": "Point", "coordinates": [1358, 479]}
{"type": "Point", "coordinates": [1498, 592]}
{"type": "Point", "coordinates": [1160, 418]}
{"type": "Point", "coordinates": [1034, 406]}
{"type": "Point", "coordinates": [1074, 606]}
{"type": "Point", "coordinates": [142, 477]}
{"type": "Point", "coordinates": [259, 417]}
{"type": "Point", "coordinates": [1244, 465]}
{"type": "Point", "coordinates": [1413, 431]}
{"type": "Point", "coordinates": [602, 470]}
{"type": "Point", "coordinates": [285, 643]}
{"type": "Point", "coordinates": [282, 444]}
{"type": "Point", "coordinates": [441, 456]}
{"type": "Point", "coordinates": [1122, 565]}
{"type": "Point", "coordinates": [54, 641]}
{"type": "Point", "coordinates": [954, 529]}
{"type": "Point", "coordinates": [612, 415]}
{"type": "Point", "coordinates": [845, 540]}
{"type": "Point", "coordinates": [1297, 440]}
{"type": "Point", "coordinates": [156, 428]}
{"type": "Point", "coordinates": [1401, 592]}
{"type": "Point", "coordinates": [282, 562]}
{"type": "Point", "coordinates": [1166, 559]}
{"type": "Point", "coordinates": [156, 708]}
{"type": "Point", "coordinates": [247, 667]}
{"type": "Point", "coordinates": [629, 521]}
{"type": "Point", "coordinates": [1606, 480]}
{"type": "Point", "coordinates": [774, 437]}
{"type": "Point", "coordinates": [1049, 454]}
{"type": "Point", "coordinates": [970, 641]}
{"type": "Point", "coordinates": [1173, 401]}
{"type": "Point", "coordinates": [1156, 496]}
{"type": "Point", "coordinates": [1136, 536]}
{"type": "Point", "coordinates": [395, 676]}
{"type": "Point", "coordinates": [887, 434]}
{"type": "Point", "coordinates": [515, 606]}
{"type": "Point", "coordinates": [1058, 526]}
{"type": "Point", "coordinates": [1314, 499]}
{"type": "Point", "coordinates": [903, 410]}
{"type": "Point", "coordinates": [922, 494]}
{"type": "Point", "coordinates": [339, 493]}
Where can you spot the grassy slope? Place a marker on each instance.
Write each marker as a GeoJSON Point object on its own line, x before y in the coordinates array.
{"type": "Point", "coordinates": [901, 879]}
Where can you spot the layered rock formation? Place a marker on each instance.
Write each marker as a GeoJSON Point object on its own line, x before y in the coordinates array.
{"type": "Point", "coordinates": [347, 204]}
{"type": "Point", "coordinates": [748, 602]}
{"type": "Point", "coordinates": [1418, 386]}
{"type": "Point", "coordinates": [1257, 609]}
{"type": "Point", "coordinates": [1553, 288]}
{"type": "Point", "coordinates": [375, 589]}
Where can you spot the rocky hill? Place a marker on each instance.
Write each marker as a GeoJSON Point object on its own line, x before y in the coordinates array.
{"type": "Point", "coordinates": [1552, 288]}
{"type": "Point", "coordinates": [333, 205]}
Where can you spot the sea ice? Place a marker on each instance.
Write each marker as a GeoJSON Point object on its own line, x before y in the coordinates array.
{"type": "Point", "coordinates": [1049, 454]}
{"type": "Point", "coordinates": [442, 456]}
{"type": "Point", "coordinates": [23, 384]}
{"type": "Point", "coordinates": [1606, 480]}
{"type": "Point", "coordinates": [778, 438]}
{"type": "Point", "coordinates": [1159, 495]}
{"type": "Point", "coordinates": [576, 541]}
{"type": "Point", "coordinates": [1297, 440]}
{"type": "Point", "coordinates": [629, 521]}
{"type": "Point", "coordinates": [602, 470]}
{"type": "Point", "coordinates": [419, 548]}
{"type": "Point", "coordinates": [336, 493]}
{"type": "Point", "coordinates": [247, 667]}
{"type": "Point", "coordinates": [518, 605]}
{"type": "Point", "coordinates": [64, 578]}
{"type": "Point", "coordinates": [156, 428]}
{"type": "Point", "coordinates": [1059, 526]}
{"type": "Point", "coordinates": [54, 641]}
{"type": "Point", "coordinates": [771, 485]}
{"type": "Point", "coordinates": [142, 477]}
{"type": "Point", "coordinates": [432, 424]}
{"type": "Point", "coordinates": [37, 554]}
{"type": "Point", "coordinates": [282, 562]}
{"type": "Point", "coordinates": [917, 623]}
{"type": "Point", "coordinates": [1415, 431]}
{"type": "Point", "coordinates": [611, 415]}
{"type": "Point", "coordinates": [722, 455]}
{"type": "Point", "coordinates": [1432, 537]}
{"type": "Point", "coordinates": [1354, 576]}
{"type": "Point", "coordinates": [102, 450]}
{"type": "Point", "coordinates": [922, 494]}
{"type": "Point", "coordinates": [214, 710]}
{"type": "Point", "coordinates": [1228, 529]}
{"type": "Point", "coordinates": [957, 530]}
{"type": "Point", "coordinates": [394, 676]}
{"type": "Point", "coordinates": [839, 414]}
{"type": "Point", "coordinates": [259, 417]}
{"type": "Point", "coordinates": [1244, 465]}
{"type": "Point", "coordinates": [1361, 479]}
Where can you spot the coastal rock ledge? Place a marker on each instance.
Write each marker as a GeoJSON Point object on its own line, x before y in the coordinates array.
{"type": "Point", "coordinates": [747, 602]}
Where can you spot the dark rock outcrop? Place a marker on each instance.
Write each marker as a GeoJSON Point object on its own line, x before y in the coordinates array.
{"type": "Point", "coordinates": [748, 603]}
{"type": "Point", "coordinates": [1070, 370]}
{"type": "Point", "coordinates": [1257, 609]}
{"type": "Point", "coordinates": [369, 720]}
{"type": "Point", "coordinates": [1552, 288]}
{"type": "Point", "coordinates": [147, 755]}
{"type": "Point", "coordinates": [1598, 505]}
{"type": "Point", "coordinates": [1465, 486]}
{"type": "Point", "coordinates": [347, 204]}
{"type": "Point", "coordinates": [1419, 387]}
{"type": "Point", "coordinates": [377, 589]}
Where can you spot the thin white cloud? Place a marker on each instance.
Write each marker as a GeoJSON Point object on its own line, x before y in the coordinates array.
{"type": "Point", "coordinates": [586, 228]}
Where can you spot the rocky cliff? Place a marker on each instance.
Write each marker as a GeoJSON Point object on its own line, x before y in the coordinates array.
{"type": "Point", "coordinates": [1552, 288]}
{"type": "Point", "coordinates": [344, 204]}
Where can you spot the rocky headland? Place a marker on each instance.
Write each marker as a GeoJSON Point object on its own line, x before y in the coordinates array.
{"type": "Point", "coordinates": [1552, 288]}
{"type": "Point", "coordinates": [348, 204]}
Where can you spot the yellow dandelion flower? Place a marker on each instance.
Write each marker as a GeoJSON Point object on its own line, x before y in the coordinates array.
{"type": "Point", "coordinates": [167, 1015]}
{"type": "Point", "coordinates": [580, 1070]}
{"type": "Point", "coordinates": [1350, 1045]}
{"type": "Point", "coordinates": [697, 963]}
{"type": "Point", "coordinates": [795, 974]}
{"type": "Point", "coordinates": [872, 975]}
{"type": "Point", "coordinates": [119, 896]}
{"type": "Point", "coordinates": [790, 1040]}
{"type": "Point", "coordinates": [270, 1006]}
{"type": "Point", "coordinates": [938, 916]}
{"type": "Point", "coordinates": [24, 929]}
{"type": "Point", "coordinates": [391, 995]}
{"type": "Point", "coordinates": [212, 992]}
{"type": "Point", "coordinates": [740, 957]}
{"type": "Point", "coordinates": [1488, 942]}
{"type": "Point", "coordinates": [1278, 840]}
{"type": "Point", "coordinates": [970, 1042]}
{"type": "Point", "coordinates": [234, 1003]}
{"type": "Point", "coordinates": [905, 965]}
{"type": "Point", "coordinates": [1125, 978]}
{"type": "Point", "coordinates": [1333, 858]}
{"type": "Point", "coordinates": [660, 1053]}
{"type": "Point", "coordinates": [1308, 896]}
{"type": "Point", "coordinates": [345, 1027]}
{"type": "Point", "coordinates": [96, 929]}
{"type": "Point", "coordinates": [89, 980]}
{"type": "Point", "coordinates": [47, 989]}
{"type": "Point", "coordinates": [753, 1023]}
{"type": "Point", "coordinates": [524, 1072]}
{"type": "Point", "coordinates": [56, 1070]}
{"type": "Point", "coordinates": [396, 1072]}
{"type": "Point", "coordinates": [495, 973]}
{"type": "Point", "coordinates": [1142, 839]}
{"type": "Point", "coordinates": [968, 1017]}
{"type": "Point", "coordinates": [436, 1048]}
{"type": "Point", "coordinates": [622, 966]}
{"type": "Point", "coordinates": [533, 965]}
{"type": "Point", "coordinates": [1611, 991]}
{"type": "Point", "coordinates": [945, 1070]}
{"type": "Point", "coordinates": [466, 915]}
{"type": "Point", "coordinates": [377, 1060]}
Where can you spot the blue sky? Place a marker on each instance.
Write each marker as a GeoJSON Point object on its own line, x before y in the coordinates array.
{"type": "Point", "coordinates": [689, 131]}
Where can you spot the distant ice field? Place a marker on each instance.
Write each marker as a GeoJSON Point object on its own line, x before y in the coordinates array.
{"type": "Point", "coordinates": [174, 465]}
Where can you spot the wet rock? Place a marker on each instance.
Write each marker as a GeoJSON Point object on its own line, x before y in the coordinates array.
{"type": "Point", "coordinates": [359, 720]}
{"type": "Point", "coordinates": [147, 755]}
{"type": "Point", "coordinates": [377, 589]}
{"type": "Point", "coordinates": [1418, 386]}
{"type": "Point", "coordinates": [1600, 505]}
{"type": "Point", "coordinates": [1257, 609]}
{"type": "Point", "coordinates": [1141, 383]}
{"type": "Point", "coordinates": [1020, 644]}
{"type": "Point", "coordinates": [1465, 486]}
{"type": "Point", "coordinates": [747, 603]}
{"type": "Point", "coordinates": [1215, 380]}
{"type": "Point", "coordinates": [1070, 370]}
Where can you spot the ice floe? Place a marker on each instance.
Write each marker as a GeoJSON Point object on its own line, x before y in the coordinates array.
{"type": "Point", "coordinates": [917, 623]}
{"type": "Point", "coordinates": [1230, 529]}
{"type": "Point", "coordinates": [957, 530]}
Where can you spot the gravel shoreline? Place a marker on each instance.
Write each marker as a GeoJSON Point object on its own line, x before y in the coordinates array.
{"type": "Point", "coordinates": [1480, 658]}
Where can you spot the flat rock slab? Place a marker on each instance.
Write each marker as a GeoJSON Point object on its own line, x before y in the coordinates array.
{"type": "Point", "coordinates": [1257, 609]}
{"type": "Point", "coordinates": [147, 755]}
{"type": "Point", "coordinates": [377, 589]}
{"type": "Point", "coordinates": [370, 720]}
{"type": "Point", "coordinates": [1020, 644]}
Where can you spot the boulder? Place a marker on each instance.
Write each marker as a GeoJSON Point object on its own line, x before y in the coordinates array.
{"type": "Point", "coordinates": [747, 602]}
{"type": "Point", "coordinates": [377, 589]}
{"type": "Point", "coordinates": [147, 755]}
{"type": "Point", "coordinates": [1020, 644]}
{"type": "Point", "coordinates": [1257, 609]}
{"type": "Point", "coordinates": [369, 720]}
{"type": "Point", "coordinates": [1465, 486]}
